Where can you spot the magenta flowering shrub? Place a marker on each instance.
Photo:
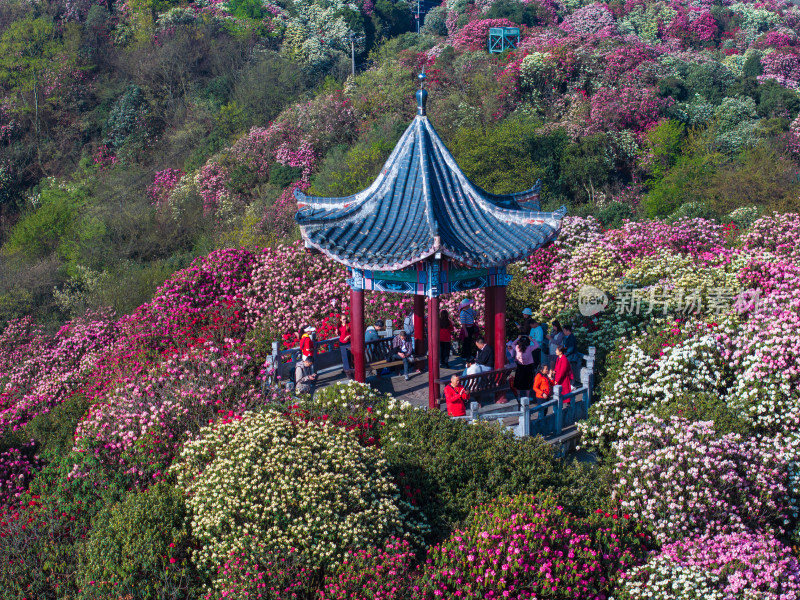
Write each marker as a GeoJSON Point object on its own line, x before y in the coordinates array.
{"type": "Point", "coordinates": [783, 66]}
{"type": "Point", "coordinates": [589, 19]}
{"type": "Point", "coordinates": [777, 233]}
{"type": "Point", "coordinates": [629, 107]}
{"type": "Point", "coordinates": [253, 572]}
{"type": "Point", "coordinates": [40, 371]}
{"type": "Point", "coordinates": [17, 468]}
{"type": "Point", "coordinates": [682, 479]}
{"type": "Point", "coordinates": [735, 565]}
{"type": "Point", "coordinates": [163, 183]}
{"type": "Point", "coordinates": [693, 27]}
{"type": "Point", "coordinates": [210, 180]}
{"type": "Point", "coordinates": [526, 547]}
{"type": "Point", "coordinates": [386, 573]}
{"type": "Point", "coordinates": [475, 35]}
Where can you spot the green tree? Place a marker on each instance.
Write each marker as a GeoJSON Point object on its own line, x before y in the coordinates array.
{"type": "Point", "coordinates": [28, 50]}
{"type": "Point", "coordinates": [40, 232]}
{"type": "Point", "coordinates": [586, 166]}
{"type": "Point", "coordinates": [510, 156]}
{"type": "Point", "coordinates": [664, 145]}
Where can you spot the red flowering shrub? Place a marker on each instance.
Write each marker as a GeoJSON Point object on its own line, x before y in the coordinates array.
{"type": "Point", "coordinates": [475, 35]}
{"type": "Point", "coordinates": [528, 547]}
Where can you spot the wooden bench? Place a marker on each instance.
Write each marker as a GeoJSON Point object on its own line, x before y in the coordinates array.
{"type": "Point", "coordinates": [376, 356]}
{"type": "Point", "coordinates": [484, 384]}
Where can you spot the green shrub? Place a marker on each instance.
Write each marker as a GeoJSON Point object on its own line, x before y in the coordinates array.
{"type": "Point", "coordinates": [451, 466]}
{"type": "Point", "coordinates": [282, 176]}
{"type": "Point", "coordinates": [40, 542]}
{"type": "Point", "coordinates": [55, 430]}
{"type": "Point", "coordinates": [139, 547]}
{"type": "Point", "coordinates": [612, 215]}
{"type": "Point", "coordinates": [40, 231]}
{"type": "Point", "coordinates": [693, 210]}
{"type": "Point", "coordinates": [752, 64]}
{"type": "Point", "coordinates": [435, 21]}
{"type": "Point", "coordinates": [518, 12]}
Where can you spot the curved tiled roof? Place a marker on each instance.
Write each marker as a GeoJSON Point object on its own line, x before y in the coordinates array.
{"type": "Point", "coordinates": [420, 204]}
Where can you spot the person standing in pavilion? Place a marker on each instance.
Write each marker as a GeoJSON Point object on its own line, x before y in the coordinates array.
{"type": "Point", "coordinates": [527, 321]}
{"type": "Point", "coordinates": [485, 354]}
{"type": "Point", "coordinates": [307, 342]}
{"type": "Point", "coordinates": [408, 323]}
{"type": "Point", "coordinates": [555, 339]}
{"type": "Point", "coordinates": [456, 397]}
{"type": "Point", "coordinates": [468, 329]}
{"type": "Point", "coordinates": [563, 371]}
{"type": "Point", "coordinates": [445, 339]}
{"type": "Point", "coordinates": [543, 383]}
{"type": "Point", "coordinates": [344, 330]}
{"type": "Point", "coordinates": [523, 355]}
{"type": "Point", "coordinates": [570, 346]}
{"type": "Point", "coordinates": [537, 338]}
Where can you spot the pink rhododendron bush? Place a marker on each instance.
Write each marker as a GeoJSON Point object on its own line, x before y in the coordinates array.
{"type": "Point", "coordinates": [736, 565]}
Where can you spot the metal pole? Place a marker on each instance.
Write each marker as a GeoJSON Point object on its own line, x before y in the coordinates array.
{"type": "Point", "coordinates": [353, 52]}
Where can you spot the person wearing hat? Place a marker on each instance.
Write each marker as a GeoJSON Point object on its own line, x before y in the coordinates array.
{"type": "Point", "coordinates": [468, 328]}
{"type": "Point", "coordinates": [527, 320]}
{"type": "Point", "coordinates": [307, 342]}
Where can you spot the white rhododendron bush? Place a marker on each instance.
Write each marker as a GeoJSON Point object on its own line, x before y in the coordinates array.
{"type": "Point", "coordinates": [305, 487]}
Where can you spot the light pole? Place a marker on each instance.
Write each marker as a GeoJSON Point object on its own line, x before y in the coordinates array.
{"type": "Point", "coordinates": [353, 52]}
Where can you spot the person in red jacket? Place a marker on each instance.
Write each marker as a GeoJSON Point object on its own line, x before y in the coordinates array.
{"type": "Point", "coordinates": [543, 384]}
{"type": "Point", "coordinates": [445, 339]}
{"type": "Point", "coordinates": [563, 376]}
{"type": "Point", "coordinates": [456, 397]}
{"type": "Point", "coordinates": [306, 343]}
{"type": "Point", "coordinates": [344, 330]}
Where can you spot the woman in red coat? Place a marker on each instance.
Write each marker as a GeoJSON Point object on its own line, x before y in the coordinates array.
{"type": "Point", "coordinates": [456, 397]}
{"type": "Point", "coordinates": [563, 376]}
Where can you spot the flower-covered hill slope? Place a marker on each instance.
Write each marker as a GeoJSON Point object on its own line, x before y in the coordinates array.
{"type": "Point", "coordinates": [697, 422]}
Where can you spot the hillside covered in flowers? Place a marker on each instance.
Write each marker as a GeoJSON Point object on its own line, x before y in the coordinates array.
{"type": "Point", "coordinates": [149, 151]}
{"type": "Point", "coordinates": [140, 456]}
{"type": "Point", "coordinates": [136, 136]}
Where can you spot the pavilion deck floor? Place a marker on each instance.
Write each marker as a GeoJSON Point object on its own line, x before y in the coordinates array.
{"type": "Point", "coordinates": [415, 390]}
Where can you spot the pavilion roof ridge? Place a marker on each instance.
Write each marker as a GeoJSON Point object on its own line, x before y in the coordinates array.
{"type": "Point", "coordinates": [421, 203]}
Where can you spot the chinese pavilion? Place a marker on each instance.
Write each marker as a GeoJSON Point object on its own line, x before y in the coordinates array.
{"type": "Point", "coordinates": [424, 228]}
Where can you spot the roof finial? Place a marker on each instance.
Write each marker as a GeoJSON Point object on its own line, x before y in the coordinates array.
{"type": "Point", "coordinates": [422, 93]}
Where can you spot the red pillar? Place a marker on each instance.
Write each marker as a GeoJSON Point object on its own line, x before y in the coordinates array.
{"type": "Point", "coordinates": [419, 324]}
{"type": "Point", "coordinates": [357, 334]}
{"type": "Point", "coordinates": [499, 327]}
{"type": "Point", "coordinates": [488, 314]}
{"type": "Point", "coordinates": [433, 353]}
